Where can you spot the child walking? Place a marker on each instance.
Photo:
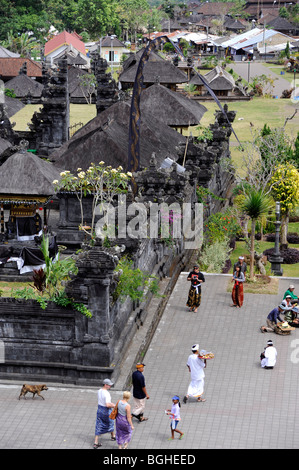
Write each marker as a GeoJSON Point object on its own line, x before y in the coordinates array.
{"type": "Point", "coordinates": [175, 417]}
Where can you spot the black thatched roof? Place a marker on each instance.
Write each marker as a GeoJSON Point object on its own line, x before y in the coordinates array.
{"type": "Point", "coordinates": [24, 85]}
{"type": "Point", "coordinates": [172, 108]}
{"type": "Point", "coordinates": [12, 106]}
{"type": "Point", "coordinates": [74, 74]}
{"type": "Point", "coordinates": [281, 24]}
{"type": "Point", "coordinates": [4, 144]}
{"type": "Point", "coordinates": [106, 138]}
{"type": "Point", "coordinates": [26, 174]}
{"type": "Point", "coordinates": [218, 79]}
{"type": "Point", "coordinates": [154, 67]}
{"type": "Point", "coordinates": [71, 59]}
{"type": "Point", "coordinates": [135, 58]}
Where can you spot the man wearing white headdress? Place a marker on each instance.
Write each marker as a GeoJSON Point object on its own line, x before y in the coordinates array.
{"type": "Point", "coordinates": [268, 357]}
{"type": "Point", "coordinates": [241, 264]}
{"type": "Point", "coordinates": [196, 367]}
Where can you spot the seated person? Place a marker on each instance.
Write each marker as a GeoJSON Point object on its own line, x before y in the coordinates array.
{"type": "Point", "coordinates": [290, 292]}
{"type": "Point", "coordinates": [268, 357]}
{"type": "Point", "coordinates": [291, 317]}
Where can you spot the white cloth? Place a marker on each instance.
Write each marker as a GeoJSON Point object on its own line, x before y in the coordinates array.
{"type": "Point", "coordinates": [270, 357]}
{"type": "Point", "coordinates": [196, 365]}
{"type": "Point", "coordinates": [104, 397]}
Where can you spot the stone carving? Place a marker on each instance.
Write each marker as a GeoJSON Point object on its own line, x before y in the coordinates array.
{"type": "Point", "coordinates": [51, 124]}
{"type": "Point", "coordinates": [107, 92]}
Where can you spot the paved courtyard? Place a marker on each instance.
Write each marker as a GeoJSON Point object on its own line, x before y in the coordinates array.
{"type": "Point", "coordinates": [246, 407]}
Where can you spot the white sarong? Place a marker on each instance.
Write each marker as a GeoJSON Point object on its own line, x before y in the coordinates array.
{"type": "Point", "coordinates": [196, 386]}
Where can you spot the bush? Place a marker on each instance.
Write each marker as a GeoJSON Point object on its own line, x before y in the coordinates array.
{"type": "Point", "coordinates": [293, 237]}
{"type": "Point", "coordinates": [290, 255]}
{"type": "Point", "coordinates": [214, 257]}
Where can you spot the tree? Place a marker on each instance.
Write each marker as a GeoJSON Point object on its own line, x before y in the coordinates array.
{"type": "Point", "coordinates": [87, 83]}
{"type": "Point", "coordinates": [97, 17]}
{"type": "Point", "coordinates": [22, 44]}
{"type": "Point", "coordinates": [102, 183]}
{"type": "Point", "coordinates": [255, 205]}
{"type": "Point", "coordinates": [285, 189]}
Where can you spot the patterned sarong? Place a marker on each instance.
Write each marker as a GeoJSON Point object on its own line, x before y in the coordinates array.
{"type": "Point", "coordinates": [194, 297]}
{"type": "Point", "coordinates": [103, 422]}
{"type": "Point", "coordinates": [123, 429]}
{"type": "Point", "coordinates": [238, 294]}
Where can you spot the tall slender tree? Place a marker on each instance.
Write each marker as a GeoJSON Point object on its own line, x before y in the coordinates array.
{"type": "Point", "coordinates": [255, 205]}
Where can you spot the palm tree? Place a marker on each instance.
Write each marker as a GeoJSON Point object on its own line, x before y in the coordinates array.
{"type": "Point", "coordinates": [256, 205]}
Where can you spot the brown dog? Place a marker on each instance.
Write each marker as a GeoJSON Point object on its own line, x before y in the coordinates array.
{"type": "Point", "coordinates": [34, 389]}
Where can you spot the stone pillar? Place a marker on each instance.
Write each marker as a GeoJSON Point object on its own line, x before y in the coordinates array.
{"type": "Point", "coordinates": [51, 124]}
{"type": "Point", "coordinates": [91, 286]}
{"type": "Point", "coordinates": [107, 93]}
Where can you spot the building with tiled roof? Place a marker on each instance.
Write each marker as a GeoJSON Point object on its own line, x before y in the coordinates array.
{"type": "Point", "coordinates": [62, 41]}
{"type": "Point", "coordinates": [10, 68]}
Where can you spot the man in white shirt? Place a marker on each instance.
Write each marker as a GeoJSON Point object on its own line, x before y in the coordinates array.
{"type": "Point", "coordinates": [196, 368]}
{"type": "Point", "coordinates": [103, 423]}
{"type": "Point", "coordinates": [269, 356]}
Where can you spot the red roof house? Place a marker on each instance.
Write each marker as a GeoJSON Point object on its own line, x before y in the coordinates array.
{"type": "Point", "coordinates": [10, 68]}
{"type": "Point", "coordinates": [62, 41]}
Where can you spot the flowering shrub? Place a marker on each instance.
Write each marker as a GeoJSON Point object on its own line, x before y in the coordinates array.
{"type": "Point", "coordinates": [102, 182]}
{"type": "Point", "coordinates": [285, 187]}
{"type": "Point", "coordinates": [220, 226]}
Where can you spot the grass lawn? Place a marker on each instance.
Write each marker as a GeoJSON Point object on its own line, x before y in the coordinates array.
{"type": "Point", "coordinates": [277, 69]}
{"type": "Point", "coordinates": [258, 111]}
{"type": "Point", "coordinates": [289, 270]}
{"type": "Point", "coordinates": [78, 113]}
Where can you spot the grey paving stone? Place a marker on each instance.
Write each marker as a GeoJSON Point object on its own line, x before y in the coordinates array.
{"type": "Point", "coordinates": [243, 400]}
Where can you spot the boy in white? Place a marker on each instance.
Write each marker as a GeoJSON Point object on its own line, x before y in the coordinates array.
{"type": "Point", "coordinates": [270, 355]}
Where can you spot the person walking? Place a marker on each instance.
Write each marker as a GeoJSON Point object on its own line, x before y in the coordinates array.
{"type": "Point", "coordinates": [196, 367]}
{"type": "Point", "coordinates": [103, 423]}
{"type": "Point", "coordinates": [238, 291]}
{"type": "Point", "coordinates": [139, 392]}
{"type": "Point", "coordinates": [268, 357]}
{"type": "Point", "coordinates": [194, 296]}
{"type": "Point", "coordinates": [175, 414]}
{"type": "Point", "coordinates": [123, 422]}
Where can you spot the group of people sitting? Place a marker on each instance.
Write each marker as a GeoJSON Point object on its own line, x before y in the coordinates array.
{"type": "Point", "coordinates": [289, 308]}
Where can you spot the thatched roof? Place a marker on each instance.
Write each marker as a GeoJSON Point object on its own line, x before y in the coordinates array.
{"type": "Point", "coordinates": [25, 174]}
{"type": "Point", "coordinates": [23, 85]}
{"type": "Point", "coordinates": [155, 67]}
{"type": "Point", "coordinates": [135, 58]}
{"type": "Point", "coordinates": [218, 79]}
{"type": "Point", "coordinates": [12, 106]}
{"type": "Point", "coordinates": [172, 108]}
{"type": "Point", "coordinates": [106, 138]}
{"type": "Point", "coordinates": [74, 74]}
{"type": "Point", "coordinates": [281, 24]}
{"type": "Point", "coordinates": [71, 58]}
{"type": "Point", "coordinates": [4, 144]}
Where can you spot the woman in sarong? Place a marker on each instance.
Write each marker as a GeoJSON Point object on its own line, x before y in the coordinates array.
{"type": "Point", "coordinates": [237, 292]}
{"type": "Point", "coordinates": [194, 297]}
{"type": "Point", "coordinates": [123, 422]}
